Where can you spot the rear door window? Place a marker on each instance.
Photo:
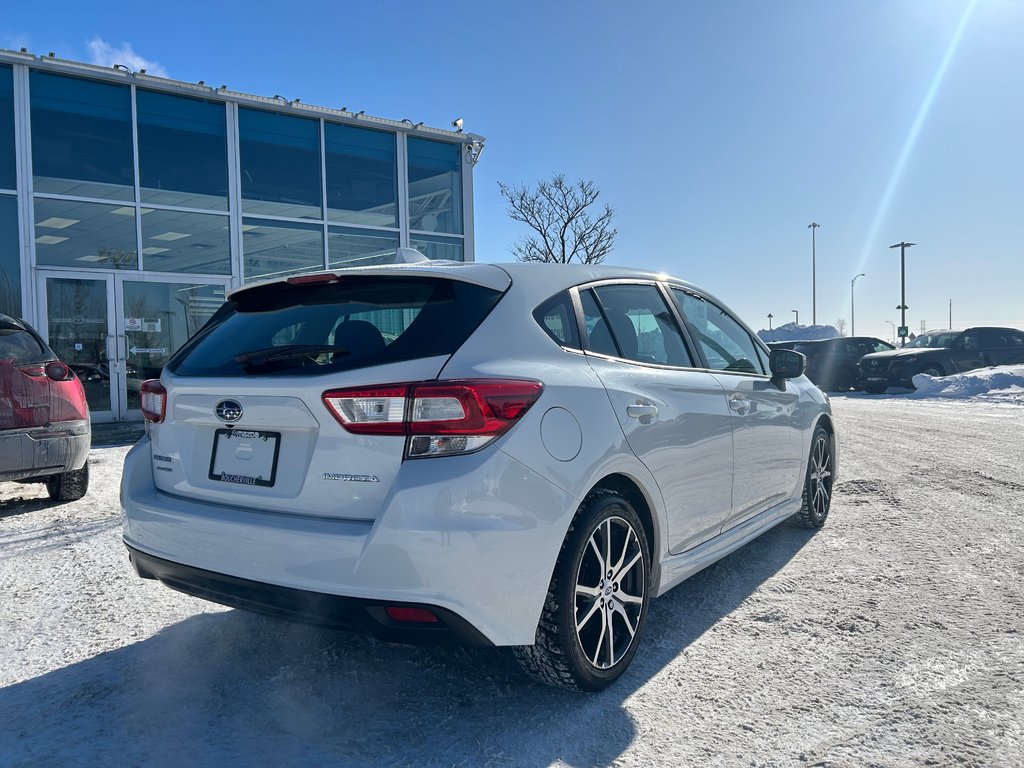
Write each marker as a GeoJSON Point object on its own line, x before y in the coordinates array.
{"type": "Point", "coordinates": [359, 321]}
{"type": "Point", "coordinates": [634, 322]}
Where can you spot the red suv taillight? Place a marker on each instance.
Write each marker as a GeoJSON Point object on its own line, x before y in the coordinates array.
{"type": "Point", "coordinates": [153, 400]}
{"type": "Point", "coordinates": [440, 418]}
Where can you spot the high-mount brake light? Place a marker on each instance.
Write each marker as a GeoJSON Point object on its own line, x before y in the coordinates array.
{"type": "Point", "coordinates": [153, 400]}
{"type": "Point", "coordinates": [440, 418]}
{"type": "Point", "coordinates": [330, 277]}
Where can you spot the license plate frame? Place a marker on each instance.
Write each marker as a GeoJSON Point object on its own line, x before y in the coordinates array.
{"type": "Point", "coordinates": [238, 477]}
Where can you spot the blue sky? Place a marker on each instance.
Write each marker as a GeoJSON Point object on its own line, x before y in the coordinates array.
{"type": "Point", "coordinates": [718, 129]}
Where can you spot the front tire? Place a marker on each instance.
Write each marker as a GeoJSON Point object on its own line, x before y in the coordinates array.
{"type": "Point", "coordinates": [817, 495]}
{"type": "Point", "coordinates": [933, 370]}
{"type": "Point", "coordinates": [597, 602]}
{"type": "Point", "coordinates": [873, 389]}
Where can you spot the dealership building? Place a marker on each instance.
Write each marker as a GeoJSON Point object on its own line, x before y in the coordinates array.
{"type": "Point", "coordinates": [130, 203]}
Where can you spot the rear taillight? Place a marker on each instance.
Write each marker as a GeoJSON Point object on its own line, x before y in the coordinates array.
{"type": "Point", "coordinates": [153, 400]}
{"type": "Point", "coordinates": [440, 418]}
{"type": "Point", "coordinates": [58, 371]}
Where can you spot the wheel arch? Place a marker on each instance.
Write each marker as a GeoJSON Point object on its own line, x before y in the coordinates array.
{"type": "Point", "coordinates": [632, 492]}
{"type": "Point", "coordinates": [825, 422]}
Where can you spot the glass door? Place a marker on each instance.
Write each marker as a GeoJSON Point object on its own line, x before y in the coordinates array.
{"type": "Point", "coordinates": [79, 326]}
{"type": "Point", "coordinates": [155, 316]}
{"type": "Point", "coordinates": [116, 331]}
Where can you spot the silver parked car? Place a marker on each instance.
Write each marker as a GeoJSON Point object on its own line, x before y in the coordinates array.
{"type": "Point", "coordinates": [520, 455]}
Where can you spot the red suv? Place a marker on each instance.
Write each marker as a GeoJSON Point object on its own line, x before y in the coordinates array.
{"type": "Point", "coordinates": [45, 433]}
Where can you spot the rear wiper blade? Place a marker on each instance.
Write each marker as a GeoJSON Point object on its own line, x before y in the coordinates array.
{"type": "Point", "coordinates": [290, 352]}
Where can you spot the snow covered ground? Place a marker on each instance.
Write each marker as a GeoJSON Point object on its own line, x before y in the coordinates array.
{"type": "Point", "coordinates": [892, 637]}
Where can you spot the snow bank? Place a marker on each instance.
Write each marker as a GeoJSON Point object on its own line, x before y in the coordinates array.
{"type": "Point", "coordinates": [794, 332]}
{"type": "Point", "coordinates": [1004, 383]}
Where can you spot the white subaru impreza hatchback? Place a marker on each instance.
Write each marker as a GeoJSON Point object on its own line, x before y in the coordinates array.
{"type": "Point", "coordinates": [518, 455]}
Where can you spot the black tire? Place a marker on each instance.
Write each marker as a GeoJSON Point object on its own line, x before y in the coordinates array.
{"type": "Point", "coordinates": [933, 370]}
{"type": "Point", "coordinates": [558, 656]}
{"type": "Point", "coordinates": [69, 486]}
{"type": "Point", "coordinates": [817, 496]}
{"type": "Point", "coordinates": [873, 389]}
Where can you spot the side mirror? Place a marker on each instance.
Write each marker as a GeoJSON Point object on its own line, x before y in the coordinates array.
{"type": "Point", "coordinates": [786, 364]}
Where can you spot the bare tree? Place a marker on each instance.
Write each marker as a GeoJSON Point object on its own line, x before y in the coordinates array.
{"type": "Point", "coordinates": [841, 325]}
{"type": "Point", "coordinates": [558, 213]}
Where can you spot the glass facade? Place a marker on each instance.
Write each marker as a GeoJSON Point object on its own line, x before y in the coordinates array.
{"type": "Point", "coordinates": [280, 164]}
{"type": "Point", "coordinates": [10, 257]}
{"type": "Point", "coordinates": [183, 151]}
{"type": "Point", "coordinates": [8, 166]}
{"type": "Point", "coordinates": [435, 186]}
{"type": "Point", "coordinates": [81, 137]}
{"type": "Point", "coordinates": [362, 176]}
{"type": "Point", "coordinates": [359, 247]}
{"type": "Point", "coordinates": [92, 235]}
{"type": "Point", "coordinates": [138, 193]}
{"type": "Point", "coordinates": [281, 248]}
{"type": "Point", "coordinates": [181, 241]}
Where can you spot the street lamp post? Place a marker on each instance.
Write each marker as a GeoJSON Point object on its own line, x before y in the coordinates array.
{"type": "Point", "coordinates": [890, 322]}
{"type": "Point", "coordinates": [903, 287]}
{"type": "Point", "coordinates": [797, 313]}
{"type": "Point", "coordinates": [814, 275]}
{"type": "Point", "coordinates": [853, 324]}
{"type": "Point", "coordinates": [770, 316]}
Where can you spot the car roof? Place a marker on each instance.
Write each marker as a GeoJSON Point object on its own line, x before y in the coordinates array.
{"type": "Point", "coordinates": [542, 279]}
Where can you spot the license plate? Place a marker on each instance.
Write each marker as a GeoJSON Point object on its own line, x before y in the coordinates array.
{"type": "Point", "coordinates": [245, 456]}
{"type": "Point", "coordinates": [876, 378]}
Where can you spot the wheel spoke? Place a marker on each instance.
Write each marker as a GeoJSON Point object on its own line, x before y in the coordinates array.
{"type": "Point", "coordinates": [625, 597]}
{"type": "Point", "coordinates": [600, 638]}
{"type": "Point", "coordinates": [625, 548]}
{"type": "Point", "coordinates": [607, 546]}
{"type": "Point", "coordinates": [581, 589]}
{"type": "Point", "coordinates": [611, 639]}
{"type": "Point", "coordinates": [593, 609]}
{"type": "Point", "coordinates": [619, 609]}
{"type": "Point", "coordinates": [597, 552]}
{"type": "Point", "coordinates": [619, 574]}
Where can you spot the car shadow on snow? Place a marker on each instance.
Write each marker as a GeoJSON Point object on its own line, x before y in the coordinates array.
{"type": "Point", "coordinates": [231, 688]}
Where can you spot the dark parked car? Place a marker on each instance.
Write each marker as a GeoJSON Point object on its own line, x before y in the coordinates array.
{"type": "Point", "coordinates": [44, 419]}
{"type": "Point", "coordinates": [940, 354]}
{"type": "Point", "coordinates": [832, 363]}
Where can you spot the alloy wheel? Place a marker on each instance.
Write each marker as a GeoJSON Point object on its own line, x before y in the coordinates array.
{"type": "Point", "coordinates": [609, 592]}
{"type": "Point", "coordinates": [820, 477]}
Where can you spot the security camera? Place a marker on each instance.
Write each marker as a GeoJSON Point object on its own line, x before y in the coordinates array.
{"type": "Point", "coordinates": [457, 124]}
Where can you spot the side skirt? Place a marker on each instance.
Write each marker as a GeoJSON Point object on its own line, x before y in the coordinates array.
{"type": "Point", "coordinates": [678, 568]}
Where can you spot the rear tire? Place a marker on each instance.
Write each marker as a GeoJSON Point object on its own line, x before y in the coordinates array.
{"type": "Point", "coordinates": [817, 495]}
{"type": "Point", "coordinates": [597, 602]}
{"type": "Point", "coordinates": [69, 486]}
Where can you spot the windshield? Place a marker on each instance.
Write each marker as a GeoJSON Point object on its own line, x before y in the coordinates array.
{"type": "Point", "coordinates": [933, 340]}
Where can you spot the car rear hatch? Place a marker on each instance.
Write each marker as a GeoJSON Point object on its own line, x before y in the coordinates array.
{"type": "Point", "coordinates": [245, 419]}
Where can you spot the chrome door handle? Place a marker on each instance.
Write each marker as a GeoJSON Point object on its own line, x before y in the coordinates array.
{"type": "Point", "coordinates": [641, 411]}
{"type": "Point", "coordinates": [739, 404]}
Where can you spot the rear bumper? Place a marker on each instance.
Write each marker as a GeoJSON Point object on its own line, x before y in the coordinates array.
{"type": "Point", "coordinates": [473, 538]}
{"type": "Point", "coordinates": [38, 452]}
{"type": "Point", "coordinates": [331, 611]}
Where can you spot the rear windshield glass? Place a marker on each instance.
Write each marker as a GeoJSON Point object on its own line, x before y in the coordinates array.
{"type": "Point", "coordinates": [19, 345]}
{"type": "Point", "coordinates": [285, 329]}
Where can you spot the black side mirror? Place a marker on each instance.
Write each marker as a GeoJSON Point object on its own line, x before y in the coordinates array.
{"type": "Point", "coordinates": [786, 364]}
